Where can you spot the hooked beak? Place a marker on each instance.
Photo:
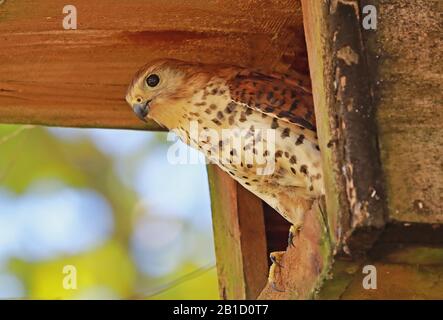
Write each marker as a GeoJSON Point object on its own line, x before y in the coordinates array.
{"type": "Point", "coordinates": [141, 109]}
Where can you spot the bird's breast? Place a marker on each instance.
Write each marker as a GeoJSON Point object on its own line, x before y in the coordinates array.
{"type": "Point", "coordinates": [256, 149]}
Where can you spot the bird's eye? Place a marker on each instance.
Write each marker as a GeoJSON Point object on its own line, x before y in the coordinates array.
{"type": "Point", "coordinates": [152, 80]}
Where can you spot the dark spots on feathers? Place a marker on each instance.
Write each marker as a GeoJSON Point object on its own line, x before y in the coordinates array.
{"type": "Point", "coordinates": [259, 94]}
{"type": "Point", "coordinates": [285, 114]}
{"type": "Point", "coordinates": [294, 105]}
{"type": "Point", "coordinates": [230, 107]}
{"type": "Point", "coordinates": [303, 123]}
{"type": "Point", "coordinates": [274, 124]}
{"type": "Point", "coordinates": [300, 140]}
{"type": "Point", "coordinates": [285, 133]}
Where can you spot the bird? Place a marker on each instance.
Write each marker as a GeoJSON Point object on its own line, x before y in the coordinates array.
{"type": "Point", "coordinates": [258, 127]}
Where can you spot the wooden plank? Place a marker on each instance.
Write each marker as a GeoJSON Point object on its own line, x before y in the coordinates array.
{"type": "Point", "coordinates": [240, 239]}
{"type": "Point", "coordinates": [407, 64]}
{"type": "Point", "coordinates": [314, 14]}
{"type": "Point", "coordinates": [344, 104]}
{"type": "Point", "coordinates": [78, 78]}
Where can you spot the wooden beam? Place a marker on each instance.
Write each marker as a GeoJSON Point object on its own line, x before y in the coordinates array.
{"type": "Point", "coordinates": [347, 134]}
{"type": "Point", "coordinates": [240, 239]}
{"type": "Point", "coordinates": [406, 62]}
{"type": "Point", "coordinates": [78, 78]}
{"type": "Point", "coordinates": [356, 72]}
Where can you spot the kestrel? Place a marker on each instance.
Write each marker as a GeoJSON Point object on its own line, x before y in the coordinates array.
{"type": "Point", "coordinates": [258, 128]}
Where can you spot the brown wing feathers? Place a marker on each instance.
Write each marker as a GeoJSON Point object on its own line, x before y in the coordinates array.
{"type": "Point", "coordinates": [278, 97]}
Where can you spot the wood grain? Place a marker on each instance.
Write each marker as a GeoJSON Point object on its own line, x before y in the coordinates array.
{"type": "Point", "coordinates": [240, 239]}
{"type": "Point", "coordinates": [78, 78]}
{"type": "Point", "coordinates": [408, 60]}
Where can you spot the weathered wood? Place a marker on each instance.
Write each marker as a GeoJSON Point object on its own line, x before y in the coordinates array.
{"type": "Point", "coordinates": [355, 72]}
{"type": "Point", "coordinates": [78, 78]}
{"type": "Point", "coordinates": [407, 60]}
{"type": "Point", "coordinates": [408, 261]}
{"type": "Point", "coordinates": [344, 103]}
{"type": "Point", "coordinates": [240, 239]}
{"type": "Point", "coordinates": [314, 14]}
{"type": "Point", "coordinates": [306, 265]}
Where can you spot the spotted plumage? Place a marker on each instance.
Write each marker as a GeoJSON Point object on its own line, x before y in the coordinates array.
{"type": "Point", "coordinates": [276, 155]}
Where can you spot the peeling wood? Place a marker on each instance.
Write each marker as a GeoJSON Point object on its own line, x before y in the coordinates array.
{"type": "Point", "coordinates": [344, 101]}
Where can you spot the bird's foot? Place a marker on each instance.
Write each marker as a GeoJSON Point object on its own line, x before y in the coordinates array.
{"type": "Point", "coordinates": [275, 268]}
{"type": "Point", "coordinates": [293, 230]}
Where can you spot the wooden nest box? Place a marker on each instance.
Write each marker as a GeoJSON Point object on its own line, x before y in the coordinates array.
{"type": "Point", "coordinates": [377, 95]}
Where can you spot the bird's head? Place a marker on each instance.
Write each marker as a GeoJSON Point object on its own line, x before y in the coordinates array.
{"type": "Point", "coordinates": [157, 86]}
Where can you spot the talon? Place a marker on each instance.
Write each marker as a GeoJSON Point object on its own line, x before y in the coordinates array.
{"type": "Point", "coordinates": [291, 239]}
{"type": "Point", "coordinates": [291, 236]}
{"type": "Point", "coordinates": [273, 258]}
{"type": "Point", "coordinates": [272, 271]}
{"type": "Point", "coordinates": [292, 231]}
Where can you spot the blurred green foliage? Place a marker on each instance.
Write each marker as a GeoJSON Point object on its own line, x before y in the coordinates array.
{"type": "Point", "coordinates": [30, 154]}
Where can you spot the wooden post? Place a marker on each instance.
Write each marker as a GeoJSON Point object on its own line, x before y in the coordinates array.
{"type": "Point", "coordinates": [366, 155]}
{"type": "Point", "coordinates": [240, 239]}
